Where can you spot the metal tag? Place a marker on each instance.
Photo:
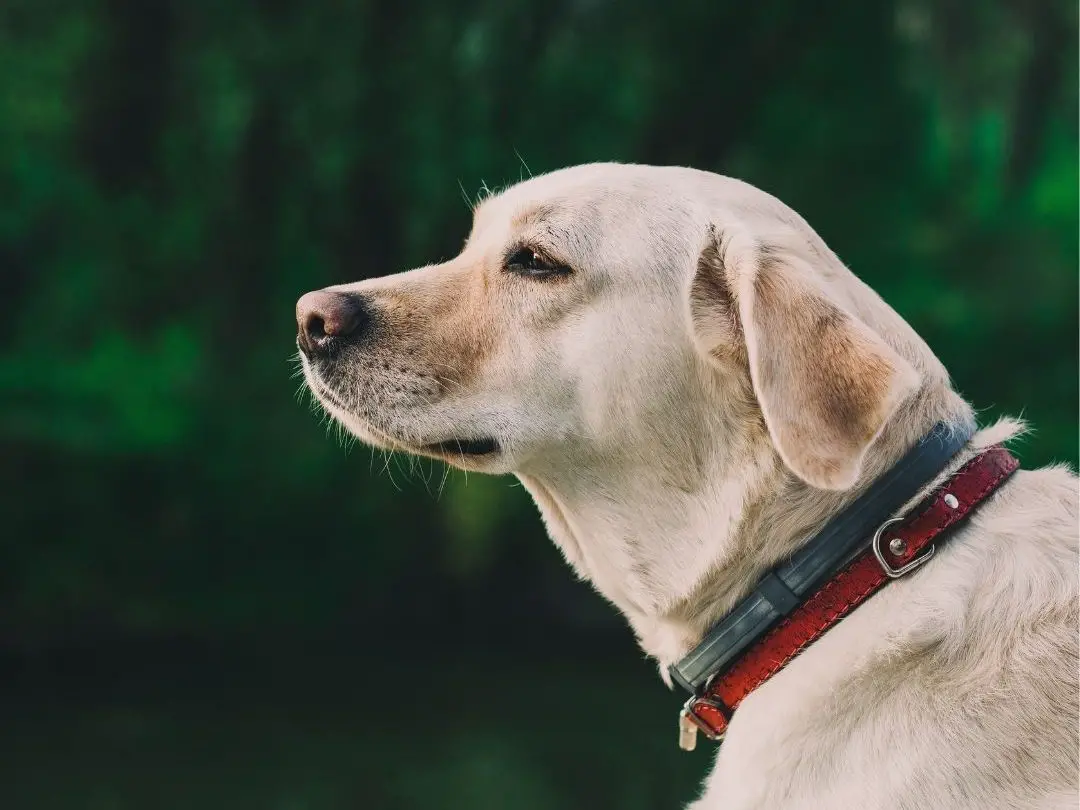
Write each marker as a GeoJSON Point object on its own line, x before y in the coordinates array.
{"type": "Point", "coordinates": [687, 732]}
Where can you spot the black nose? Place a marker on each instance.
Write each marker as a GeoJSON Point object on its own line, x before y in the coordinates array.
{"type": "Point", "coordinates": [324, 317]}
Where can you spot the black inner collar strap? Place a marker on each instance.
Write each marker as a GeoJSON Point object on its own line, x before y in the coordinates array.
{"type": "Point", "coordinates": [785, 587]}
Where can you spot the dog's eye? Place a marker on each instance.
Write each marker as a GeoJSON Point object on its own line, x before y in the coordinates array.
{"type": "Point", "coordinates": [528, 262]}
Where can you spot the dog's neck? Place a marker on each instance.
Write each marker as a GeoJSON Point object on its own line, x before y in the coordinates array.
{"type": "Point", "coordinates": [675, 552]}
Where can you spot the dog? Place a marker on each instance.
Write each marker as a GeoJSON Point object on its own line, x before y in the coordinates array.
{"type": "Point", "coordinates": [690, 383]}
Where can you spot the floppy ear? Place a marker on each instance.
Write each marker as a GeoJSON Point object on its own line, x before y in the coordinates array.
{"type": "Point", "coordinates": [825, 382]}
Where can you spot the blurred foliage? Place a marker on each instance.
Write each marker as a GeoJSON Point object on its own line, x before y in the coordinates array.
{"type": "Point", "coordinates": [258, 735]}
{"type": "Point", "coordinates": [175, 174]}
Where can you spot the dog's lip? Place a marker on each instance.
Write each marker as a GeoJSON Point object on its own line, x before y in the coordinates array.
{"type": "Point", "coordinates": [448, 448]}
{"type": "Point", "coordinates": [322, 389]}
{"type": "Point", "coordinates": [485, 446]}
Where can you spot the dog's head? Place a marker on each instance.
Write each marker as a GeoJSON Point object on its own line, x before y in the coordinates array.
{"type": "Point", "coordinates": [607, 311]}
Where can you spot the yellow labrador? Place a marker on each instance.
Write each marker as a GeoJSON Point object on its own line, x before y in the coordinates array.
{"type": "Point", "coordinates": [690, 383]}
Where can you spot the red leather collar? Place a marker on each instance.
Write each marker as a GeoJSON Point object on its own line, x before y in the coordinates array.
{"type": "Point", "coordinates": [899, 546]}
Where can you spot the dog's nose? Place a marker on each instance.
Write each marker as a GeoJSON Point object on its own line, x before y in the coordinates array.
{"type": "Point", "coordinates": [324, 316]}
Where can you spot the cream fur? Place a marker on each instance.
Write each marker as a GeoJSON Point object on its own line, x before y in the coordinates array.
{"type": "Point", "coordinates": [705, 390]}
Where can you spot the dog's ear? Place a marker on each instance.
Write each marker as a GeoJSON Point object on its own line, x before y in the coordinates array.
{"type": "Point", "coordinates": [825, 382]}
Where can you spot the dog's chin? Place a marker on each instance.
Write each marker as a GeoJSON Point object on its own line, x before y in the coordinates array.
{"type": "Point", "coordinates": [468, 454]}
{"type": "Point", "coordinates": [484, 454]}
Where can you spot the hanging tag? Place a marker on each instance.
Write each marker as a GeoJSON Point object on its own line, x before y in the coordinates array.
{"type": "Point", "coordinates": [688, 731]}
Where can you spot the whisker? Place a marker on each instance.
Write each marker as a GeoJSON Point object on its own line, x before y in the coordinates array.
{"type": "Point", "coordinates": [442, 483]}
{"type": "Point", "coordinates": [523, 163]}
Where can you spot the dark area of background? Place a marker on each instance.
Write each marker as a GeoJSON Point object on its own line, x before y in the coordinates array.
{"type": "Point", "coordinates": [205, 601]}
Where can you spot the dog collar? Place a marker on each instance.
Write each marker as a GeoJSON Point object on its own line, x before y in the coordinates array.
{"type": "Point", "coordinates": [796, 602]}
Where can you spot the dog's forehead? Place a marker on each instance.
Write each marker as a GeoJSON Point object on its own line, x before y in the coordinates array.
{"type": "Point", "coordinates": [596, 190]}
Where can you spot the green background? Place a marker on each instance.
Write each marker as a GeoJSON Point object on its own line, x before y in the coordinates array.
{"type": "Point", "coordinates": [206, 600]}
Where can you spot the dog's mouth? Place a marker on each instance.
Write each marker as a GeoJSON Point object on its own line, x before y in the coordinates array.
{"type": "Point", "coordinates": [463, 447]}
{"type": "Point", "coordinates": [449, 449]}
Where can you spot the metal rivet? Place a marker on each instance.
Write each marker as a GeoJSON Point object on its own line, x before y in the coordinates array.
{"type": "Point", "coordinates": [951, 502]}
{"type": "Point", "coordinates": [897, 546]}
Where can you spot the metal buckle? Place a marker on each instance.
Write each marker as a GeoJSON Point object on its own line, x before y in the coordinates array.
{"type": "Point", "coordinates": [896, 573]}
{"type": "Point", "coordinates": [690, 723]}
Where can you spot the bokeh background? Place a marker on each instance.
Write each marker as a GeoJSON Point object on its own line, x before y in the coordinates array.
{"type": "Point", "coordinates": [206, 600]}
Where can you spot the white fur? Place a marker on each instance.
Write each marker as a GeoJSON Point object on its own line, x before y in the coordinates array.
{"type": "Point", "coordinates": [671, 475]}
